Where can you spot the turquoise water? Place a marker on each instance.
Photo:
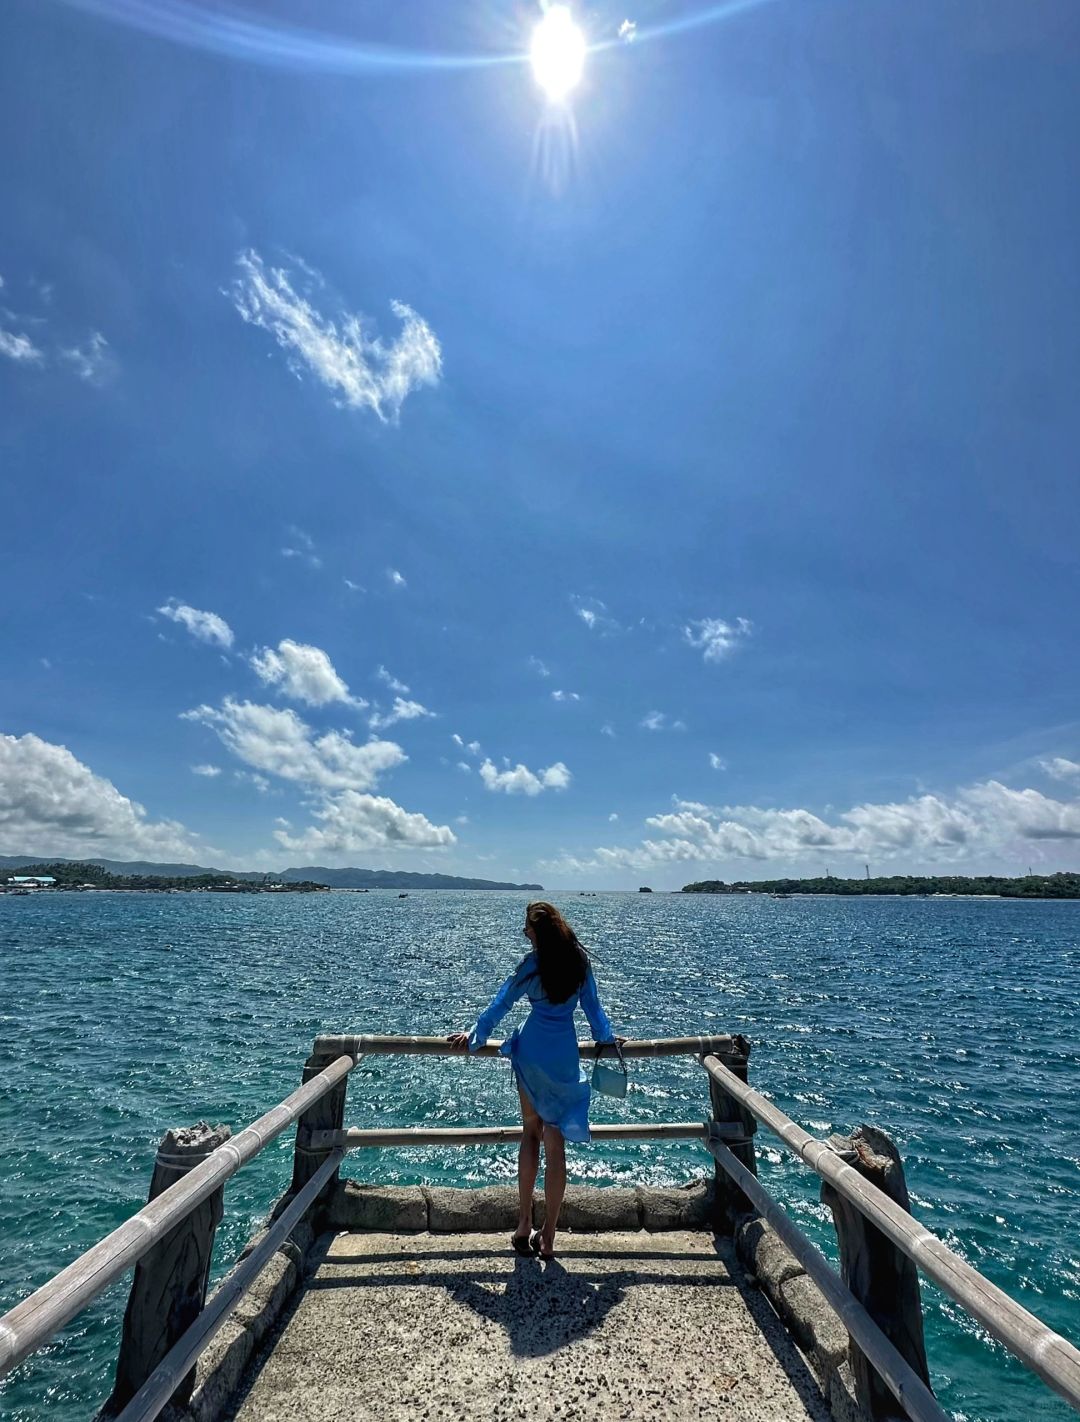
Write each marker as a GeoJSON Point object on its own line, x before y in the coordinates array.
{"type": "Point", "coordinates": [953, 1024]}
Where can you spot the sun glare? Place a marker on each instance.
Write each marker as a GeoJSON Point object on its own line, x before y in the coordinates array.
{"type": "Point", "coordinates": [557, 52]}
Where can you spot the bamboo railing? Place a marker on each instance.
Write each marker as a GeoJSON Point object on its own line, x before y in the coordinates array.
{"type": "Point", "coordinates": [317, 1106]}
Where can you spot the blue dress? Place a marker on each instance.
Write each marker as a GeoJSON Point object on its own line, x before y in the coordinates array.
{"type": "Point", "coordinates": [544, 1052]}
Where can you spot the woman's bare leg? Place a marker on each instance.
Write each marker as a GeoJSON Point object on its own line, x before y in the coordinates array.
{"type": "Point", "coordinates": [528, 1164]}
{"type": "Point", "coordinates": [554, 1184]}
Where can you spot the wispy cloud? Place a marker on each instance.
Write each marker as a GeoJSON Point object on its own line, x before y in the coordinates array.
{"type": "Point", "coordinates": [565, 696]}
{"type": "Point", "coordinates": [520, 780]}
{"type": "Point", "coordinates": [20, 348]}
{"type": "Point", "coordinates": [539, 667]}
{"type": "Point", "coordinates": [303, 673]}
{"type": "Point", "coordinates": [395, 578]}
{"type": "Point", "coordinates": [205, 627]}
{"type": "Point", "coordinates": [473, 747]}
{"type": "Point", "coordinates": [607, 729]}
{"type": "Point", "coordinates": [401, 710]}
{"type": "Point", "coordinates": [717, 761]}
{"type": "Point", "coordinates": [628, 31]}
{"type": "Point", "coordinates": [660, 721]}
{"type": "Point", "coordinates": [715, 638]}
{"type": "Point", "coordinates": [594, 614]}
{"type": "Point", "coordinates": [392, 681]}
{"type": "Point", "coordinates": [92, 361]}
{"type": "Point", "coordinates": [208, 771]}
{"type": "Point", "coordinates": [1060, 768]}
{"type": "Point", "coordinates": [361, 370]}
{"type": "Point", "coordinates": [302, 547]}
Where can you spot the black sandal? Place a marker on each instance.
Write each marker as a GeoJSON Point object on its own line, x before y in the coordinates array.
{"type": "Point", "coordinates": [522, 1244]}
{"type": "Point", "coordinates": [536, 1245]}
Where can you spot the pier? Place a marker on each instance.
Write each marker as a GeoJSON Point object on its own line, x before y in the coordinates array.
{"type": "Point", "coordinates": [695, 1302]}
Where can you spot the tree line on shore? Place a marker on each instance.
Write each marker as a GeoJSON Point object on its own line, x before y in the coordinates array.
{"type": "Point", "coordinates": [1028, 886]}
{"type": "Point", "coordinates": [80, 876]}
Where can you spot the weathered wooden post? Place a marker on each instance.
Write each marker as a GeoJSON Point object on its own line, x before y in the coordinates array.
{"type": "Point", "coordinates": [884, 1280]}
{"type": "Point", "coordinates": [327, 1114]}
{"type": "Point", "coordinates": [730, 1200]}
{"type": "Point", "coordinates": [169, 1288]}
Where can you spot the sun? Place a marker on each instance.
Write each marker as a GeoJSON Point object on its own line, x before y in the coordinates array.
{"type": "Point", "coordinates": [557, 52]}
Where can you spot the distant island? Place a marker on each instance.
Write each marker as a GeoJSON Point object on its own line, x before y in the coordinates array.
{"type": "Point", "coordinates": [139, 874]}
{"type": "Point", "coordinates": [1030, 886]}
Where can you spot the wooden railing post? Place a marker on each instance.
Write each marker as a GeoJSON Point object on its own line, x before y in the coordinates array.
{"type": "Point", "coordinates": [169, 1287]}
{"type": "Point", "coordinates": [882, 1278]}
{"type": "Point", "coordinates": [730, 1200]}
{"type": "Point", "coordinates": [327, 1114]}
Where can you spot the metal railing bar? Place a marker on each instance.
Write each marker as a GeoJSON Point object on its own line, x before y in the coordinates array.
{"type": "Point", "coordinates": [355, 1139]}
{"type": "Point", "coordinates": [360, 1045]}
{"type": "Point", "coordinates": [181, 1357]}
{"type": "Point", "coordinates": [1037, 1346]}
{"type": "Point", "coordinates": [37, 1318]}
{"type": "Point", "coordinates": [899, 1377]}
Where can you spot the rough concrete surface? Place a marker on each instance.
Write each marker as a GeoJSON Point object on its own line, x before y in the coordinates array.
{"type": "Point", "coordinates": [622, 1325]}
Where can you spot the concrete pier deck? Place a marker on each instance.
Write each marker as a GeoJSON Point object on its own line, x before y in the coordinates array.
{"type": "Point", "coordinates": [400, 1327]}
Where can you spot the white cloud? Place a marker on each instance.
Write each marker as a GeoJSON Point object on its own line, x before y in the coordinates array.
{"type": "Point", "coordinates": [612, 817]}
{"type": "Point", "coordinates": [277, 742]}
{"type": "Point", "coordinates": [392, 681]}
{"type": "Point", "coordinates": [462, 820]}
{"type": "Point", "coordinates": [465, 766]}
{"type": "Point", "coordinates": [978, 820]}
{"type": "Point", "coordinates": [607, 729]}
{"type": "Point", "coordinates": [20, 348]}
{"type": "Point", "coordinates": [336, 774]}
{"type": "Point", "coordinates": [473, 747]}
{"type": "Point", "coordinates": [353, 587]}
{"type": "Point", "coordinates": [91, 361]}
{"type": "Point", "coordinates": [252, 777]}
{"type": "Point", "coordinates": [715, 638]}
{"type": "Point", "coordinates": [361, 370]}
{"type": "Point", "coordinates": [209, 771]}
{"type": "Point", "coordinates": [204, 626]}
{"type": "Point", "coordinates": [539, 667]}
{"type": "Point", "coordinates": [594, 614]}
{"type": "Point", "coordinates": [401, 710]}
{"type": "Point", "coordinates": [522, 781]}
{"type": "Point", "coordinates": [51, 803]}
{"type": "Point", "coordinates": [302, 673]}
{"type": "Point", "coordinates": [628, 31]}
{"type": "Point", "coordinates": [396, 579]}
{"type": "Point", "coordinates": [565, 696]}
{"type": "Point", "coordinates": [659, 721]}
{"type": "Point", "coordinates": [717, 761]}
{"type": "Point", "coordinates": [353, 822]}
{"type": "Point", "coordinates": [302, 548]}
{"type": "Point", "coordinates": [1060, 768]}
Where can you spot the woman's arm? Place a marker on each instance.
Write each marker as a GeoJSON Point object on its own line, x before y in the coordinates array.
{"type": "Point", "coordinates": [602, 1029]}
{"type": "Point", "coordinates": [512, 989]}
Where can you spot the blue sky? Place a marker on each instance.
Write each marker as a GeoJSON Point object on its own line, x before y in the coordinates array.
{"type": "Point", "coordinates": [700, 455]}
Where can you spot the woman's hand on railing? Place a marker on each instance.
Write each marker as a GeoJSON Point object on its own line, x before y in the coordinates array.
{"type": "Point", "coordinates": [459, 1041]}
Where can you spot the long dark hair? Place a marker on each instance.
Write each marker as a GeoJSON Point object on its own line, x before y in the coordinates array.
{"type": "Point", "coordinates": [561, 961]}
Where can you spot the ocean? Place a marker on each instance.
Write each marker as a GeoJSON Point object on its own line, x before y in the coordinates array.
{"type": "Point", "coordinates": [952, 1024]}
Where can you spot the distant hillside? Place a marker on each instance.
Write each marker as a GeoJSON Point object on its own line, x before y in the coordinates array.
{"type": "Point", "coordinates": [392, 879]}
{"type": "Point", "coordinates": [334, 878]}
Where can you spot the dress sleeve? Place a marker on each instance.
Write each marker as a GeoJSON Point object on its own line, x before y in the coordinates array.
{"type": "Point", "coordinates": [602, 1029]}
{"type": "Point", "coordinates": [500, 1004]}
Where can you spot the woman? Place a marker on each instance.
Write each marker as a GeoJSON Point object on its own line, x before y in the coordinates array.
{"type": "Point", "coordinates": [554, 1090]}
